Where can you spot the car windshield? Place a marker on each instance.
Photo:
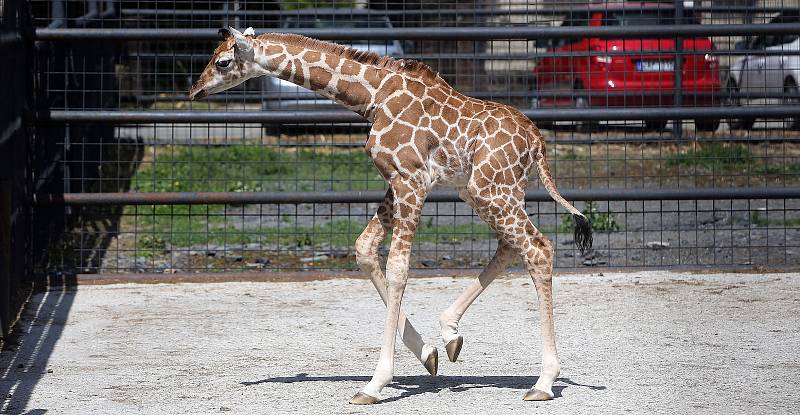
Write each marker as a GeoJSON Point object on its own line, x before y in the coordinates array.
{"type": "Point", "coordinates": [331, 22]}
{"type": "Point", "coordinates": [645, 18]}
{"type": "Point", "coordinates": [338, 22]}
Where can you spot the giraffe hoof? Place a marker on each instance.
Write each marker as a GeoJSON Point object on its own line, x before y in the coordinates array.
{"type": "Point", "coordinates": [536, 395]}
{"type": "Point", "coordinates": [362, 398]}
{"type": "Point", "coordinates": [432, 362]}
{"type": "Point", "coordinates": [453, 347]}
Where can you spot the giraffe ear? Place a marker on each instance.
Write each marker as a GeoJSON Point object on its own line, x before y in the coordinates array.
{"type": "Point", "coordinates": [249, 32]}
{"type": "Point", "coordinates": [242, 46]}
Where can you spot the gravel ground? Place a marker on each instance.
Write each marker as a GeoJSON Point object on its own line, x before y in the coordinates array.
{"type": "Point", "coordinates": [641, 343]}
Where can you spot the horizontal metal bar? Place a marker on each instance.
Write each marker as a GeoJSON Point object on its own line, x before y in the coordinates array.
{"type": "Point", "coordinates": [239, 96]}
{"type": "Point", "coordinates": [492, 12]}
{"type": "Point", "coordinates": [437, 33]}
{"type": "Point", "coordinates": [344, 116]}
{"type": "Point", "coordinates": [533, 195]}
{"type": "Point", "coordinates": [529, 55]}
{"type": "Point", "coordinates": [10, 39]}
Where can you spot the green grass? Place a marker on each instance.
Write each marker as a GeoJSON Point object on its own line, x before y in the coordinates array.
{"type": "Point", "coordinates": [732, 158]}
{"type": "Point", "coordinates": [202, 225]}
{"type": "Point", "coordinates": [758, 220]}
{"type": "Point", "coordinates": [714, 156]}
{"type": "Point", "coordinates": [570, 155]}
{"type": "Point", "coordinates": [255, 168]}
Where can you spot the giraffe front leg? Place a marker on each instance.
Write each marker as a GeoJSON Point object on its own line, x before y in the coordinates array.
{"type": "Point", "coordinates": [407, 208]}
{"type": "Point", "coordinates": [368, 259]}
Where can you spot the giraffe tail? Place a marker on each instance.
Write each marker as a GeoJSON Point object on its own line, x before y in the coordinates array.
{"type": "Point", "coordinates": [583, 229]}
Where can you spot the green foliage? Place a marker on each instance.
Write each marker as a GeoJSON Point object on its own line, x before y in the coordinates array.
{"type": "Point", "coordinates": [600, 221]}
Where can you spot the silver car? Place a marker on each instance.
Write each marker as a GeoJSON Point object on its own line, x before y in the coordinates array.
{"type": "Point", "coordinates": [284, 95]}
{"type": "Point", "coordinates": [772, 70]}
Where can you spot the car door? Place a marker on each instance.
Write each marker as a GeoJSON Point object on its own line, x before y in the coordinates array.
{"type": "Point", "coordinates": [752, 79]}
{"type": "Point", "coordinates": [777, 61]}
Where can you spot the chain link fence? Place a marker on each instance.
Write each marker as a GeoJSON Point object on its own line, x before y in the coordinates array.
{"type": "Point", "coordinates": [672, 125]}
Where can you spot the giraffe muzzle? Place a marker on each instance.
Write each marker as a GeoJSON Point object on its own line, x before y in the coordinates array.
{"type": "Point", "coordinates": [197, 93]}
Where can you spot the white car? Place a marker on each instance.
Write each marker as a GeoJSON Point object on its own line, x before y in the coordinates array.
{"type": "Point", "coordinates": [772, 70]}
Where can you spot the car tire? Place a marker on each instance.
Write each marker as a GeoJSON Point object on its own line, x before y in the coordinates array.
{"type": "Point", "coordinates": [705, 124]}
{"type": "Point", "coordinates": [536, 103]}
{"type": "Point", "coordinates": [792, 97]}
{"type": "Point", "coordinates": [655, 125]}
{"type": "Point", "coordinates": [734, 101]}
{"type": "Point", "coordinates": [582, 102]}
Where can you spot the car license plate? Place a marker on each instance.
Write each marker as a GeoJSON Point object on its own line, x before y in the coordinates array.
{"type": "Point", "coordinates": [655, 66]}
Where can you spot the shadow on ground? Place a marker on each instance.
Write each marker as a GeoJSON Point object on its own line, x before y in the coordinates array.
{"type": "Point", "coordinates": [24, 360]}
{"type": "Point", "coordinates": [416, 385]}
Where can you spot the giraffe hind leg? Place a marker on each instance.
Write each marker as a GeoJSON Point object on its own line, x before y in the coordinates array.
{"type": "Point", "coordinates": [509, 219]}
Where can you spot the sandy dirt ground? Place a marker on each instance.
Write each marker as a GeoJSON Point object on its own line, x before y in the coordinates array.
{"type": "Point", "coordinates": [653, 342]}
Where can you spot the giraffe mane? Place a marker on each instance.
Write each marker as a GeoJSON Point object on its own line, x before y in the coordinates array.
{"type": "Point", "coordinates": [408, 66]}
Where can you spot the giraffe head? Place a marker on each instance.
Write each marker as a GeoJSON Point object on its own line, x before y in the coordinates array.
{"type": "Point", "coordinates": [232, 63]}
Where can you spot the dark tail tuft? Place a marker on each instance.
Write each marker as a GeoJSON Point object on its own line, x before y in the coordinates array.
{"type": "Point", "coordinates": [583, 233]}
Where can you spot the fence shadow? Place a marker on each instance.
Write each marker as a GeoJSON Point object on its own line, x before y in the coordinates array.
{"type": "Point", "coordinates": [416, 385]}
{"type": "Point", "coordinates": [24, 360]}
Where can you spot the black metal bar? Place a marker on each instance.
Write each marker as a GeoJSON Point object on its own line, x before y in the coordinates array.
{"type": "Point", "coordinates": [421, 12]}
{"type": "Point", "coordinates": [255, 96]}
{"type": "Point", "coordinates": [677, 125]}
{"type": "Point", "coordinates": [431, 33]}
{"type": "Point", "coordinates": [344, 116]}
{"type": "Point", "coordinates": [534, 195]}
{"type": "Point", "coordinates": [203, 57]}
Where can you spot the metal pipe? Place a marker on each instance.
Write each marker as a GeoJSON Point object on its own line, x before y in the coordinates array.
{"type": "Point", "coordinates": [111, 10]}
{"type": "Point", "coordinates": [345, 116]}
{"type": "Point", "coordinates": [90, 16]}
{"type": "Point", "coordinates": [677, 83]}
{"type": "Point", "coordinates": [58, 14]}
{"type": "Point", "coordinates": [240, 96]}
{"type": "Point", "coordinates": [533, 195]}
{"type": "Point", "coordinates": [423, 12]}
{"type": "Point", "coordinates": [430, 33]}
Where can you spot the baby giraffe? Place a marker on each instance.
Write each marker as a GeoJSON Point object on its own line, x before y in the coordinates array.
{"type": "Point", "coordinates": [423, 133]}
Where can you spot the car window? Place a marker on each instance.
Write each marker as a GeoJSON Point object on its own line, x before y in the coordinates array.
{"type": "Point", "coordinates": [325, 22]}
{"type": "Point", "coordinates": [571, 20]}
{"type": "Point", "coordinates": [758, 43]}
{"type": "Point", "coordinates": [336, 22]}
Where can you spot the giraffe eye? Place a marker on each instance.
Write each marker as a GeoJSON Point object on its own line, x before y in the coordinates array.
{"type": "Point", "coordinates": [224, 63]}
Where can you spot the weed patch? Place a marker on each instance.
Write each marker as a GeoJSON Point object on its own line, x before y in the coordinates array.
{"type": "Point", "coordinates": [600, 221]}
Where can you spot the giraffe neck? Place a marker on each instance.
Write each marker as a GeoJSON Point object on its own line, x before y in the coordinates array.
{"type": "Point", "coordinates": [326, 73]}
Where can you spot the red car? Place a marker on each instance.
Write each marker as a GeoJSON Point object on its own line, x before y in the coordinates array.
{"type": "Point", "coordinates": [590, 72]}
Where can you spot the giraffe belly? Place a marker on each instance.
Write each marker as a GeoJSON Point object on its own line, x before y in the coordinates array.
{"type": "Point", "coordinates": [446, 175]}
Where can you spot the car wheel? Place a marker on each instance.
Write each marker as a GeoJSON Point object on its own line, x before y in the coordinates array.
{"type": "Point", "coordinates": [792, 97]}
{"type": "Point", "coordinates": [655, 125]}
{"type": "Point", "coordinates": [732, 100]}
{"type": "Point", "coordinates": [706, 124]}
{"type": "Point", "coordinates": [536, 103]}
{"type": "Point", "coordinates": [580, 101]}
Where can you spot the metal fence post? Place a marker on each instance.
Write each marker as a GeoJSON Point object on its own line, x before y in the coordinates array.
{"type": "Point", "coordinates": [677, 124]}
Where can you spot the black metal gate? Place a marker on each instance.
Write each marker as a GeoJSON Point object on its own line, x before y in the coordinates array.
{"type": "Point", "coordinates": [247, 182]}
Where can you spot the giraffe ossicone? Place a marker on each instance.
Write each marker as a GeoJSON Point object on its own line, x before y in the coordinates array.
{"type": "Point", "coordinates": [424, 133]}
